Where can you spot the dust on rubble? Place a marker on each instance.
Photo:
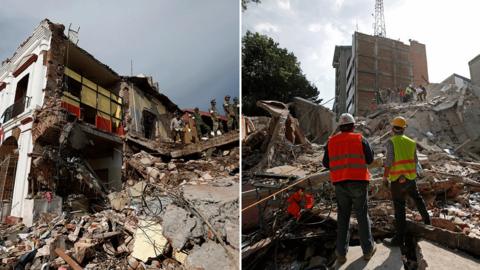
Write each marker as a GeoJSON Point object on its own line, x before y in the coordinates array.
{"type": "Point", "coordinates": [175, 214]}
{"type": "Point", "coordinates": [447, 130]}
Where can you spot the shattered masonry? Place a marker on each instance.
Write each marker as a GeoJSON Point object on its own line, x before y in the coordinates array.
{"type": "Point", "coordinates": [447, 131]}
{"type": "Point", "coordinates": [90, 177]}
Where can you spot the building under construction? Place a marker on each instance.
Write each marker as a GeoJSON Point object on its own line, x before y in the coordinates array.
{"type": "Point", "coordinates": [375, 63]}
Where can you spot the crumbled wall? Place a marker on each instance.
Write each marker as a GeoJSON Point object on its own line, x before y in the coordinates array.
{"type": "Point", "coordinates": [49, 115]}
{"type": "Point", "coordinates": [316, 121]}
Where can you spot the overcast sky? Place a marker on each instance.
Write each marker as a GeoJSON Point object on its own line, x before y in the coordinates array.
{"type": "Point", "coordinates": [312, 28]}
{"type": "Point", "coordinates": [190, 47]}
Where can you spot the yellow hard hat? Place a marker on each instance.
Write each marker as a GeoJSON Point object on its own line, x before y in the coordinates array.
{"type": "Point", "coordinates": [399, 121]}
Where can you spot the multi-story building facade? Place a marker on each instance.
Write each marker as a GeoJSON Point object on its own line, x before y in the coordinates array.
{"type": "Point", "coordinates": [474, 66]}
{"type": "Point", "coordinates": [62, 123]}
{"type": "Point", "coordinates": [373, 63]}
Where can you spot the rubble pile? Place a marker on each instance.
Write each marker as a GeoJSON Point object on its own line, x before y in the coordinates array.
{"type": "Point", "coordinates": [282, 141]}
{"type": "Point", "coordinates": [446, 129]}
{"type": "Point", "coordinates": [169, 215]}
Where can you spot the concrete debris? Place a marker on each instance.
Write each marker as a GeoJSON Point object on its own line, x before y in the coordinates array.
{"type": "Point", "coordinates": [179, 227]}
{"type": "Point", "coordinates": [149, 241]}
{"type": "Point", "coordinates": [282, 141]}
{"type": "Point", "coordinates": [287, 170]}
{"type": "Point", "coordinates": [155, 221]}
{"type": "Point", "coordinates": [446, 128]}
{"type": "Point", "coordinates": [210, 255]}
{"type": "Point", "coordinates": [437, 257]}
{"type": "Point", "coordinates": [167, 213]}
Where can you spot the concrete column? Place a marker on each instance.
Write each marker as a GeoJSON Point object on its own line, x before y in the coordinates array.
{"type": "Point", "coordinates": [20, 190]}
{"type": "Point", "coordinates": [37, 77]}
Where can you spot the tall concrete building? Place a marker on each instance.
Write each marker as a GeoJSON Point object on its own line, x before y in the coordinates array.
{"type": "Point", "coordinates": [341, 59]}
{"type": "Point", "coordinates": [375, 63]}
{"type": "Point", "coordinates": [474, 66]}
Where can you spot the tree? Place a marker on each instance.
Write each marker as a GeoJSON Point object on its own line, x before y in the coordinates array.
{"type": "Point", "coordinates": [270, 73]}
{"type": "Point", "coordinates": [246, 2]}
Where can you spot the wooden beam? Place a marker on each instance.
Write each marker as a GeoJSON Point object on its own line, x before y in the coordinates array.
{"type": "Point", "coordinates": [68, 259]}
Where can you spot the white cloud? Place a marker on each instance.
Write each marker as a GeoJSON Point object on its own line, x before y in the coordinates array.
{"type": "Point", "coordinates": [266, 27]}
{"type": "Point", "coordinates": [311, 29]}
{"type": "Point", "coordinates": [314, 27]}
{"type": "Point", "coordinates": [284, 4]}
{"type": "Point", "coordinates": [339, 4]}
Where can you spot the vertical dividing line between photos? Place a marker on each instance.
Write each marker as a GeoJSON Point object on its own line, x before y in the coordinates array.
{"type": "Point", "coordinates": [240, 99]}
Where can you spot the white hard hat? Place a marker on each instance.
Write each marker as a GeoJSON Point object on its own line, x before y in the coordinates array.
{"type": "Point", "coordinates": [345, 119]}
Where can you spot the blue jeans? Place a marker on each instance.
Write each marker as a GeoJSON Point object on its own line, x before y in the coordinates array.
{"type": "Point", "coordinates": [353, 194]}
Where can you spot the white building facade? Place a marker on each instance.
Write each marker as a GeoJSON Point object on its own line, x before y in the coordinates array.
{"type": "Point", "coordinates": [22, 83]}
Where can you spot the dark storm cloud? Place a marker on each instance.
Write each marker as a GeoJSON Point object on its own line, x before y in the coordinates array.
{"type": "Point", "coordinates": [190, 47]}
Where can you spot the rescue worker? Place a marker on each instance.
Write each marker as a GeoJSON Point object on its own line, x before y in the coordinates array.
{"type": "Point", "coordinates": [409, 93]}
{"type": "Point", "coordinates": [229, 113]}
{"type": "Point", "coordinates": [176, 126]}
{"type": "Point", "coordinates": [347, 155]}
{"type": "Point", "coordinates": [236, 110]}
{"type": "Point", "coordinates": [202, 128]}
{"type": "Point", "coordinates": [424, 93]}
{"type": "Point", "coordinates": [299, 201]}
{"type": "Point", "coordinates": [401, 172]}
{"type": "Point", "coordinates": [214, 116]}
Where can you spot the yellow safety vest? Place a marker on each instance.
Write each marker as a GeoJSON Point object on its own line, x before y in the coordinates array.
{"type": "Point", "coordinates": [404, 161]}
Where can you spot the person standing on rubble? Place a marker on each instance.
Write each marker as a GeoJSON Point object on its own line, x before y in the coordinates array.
{"type": "Point", "coordinates": [409, 93]}
{"type": "Point", "coordinates": [401, 94]}
{"type": "Point", "coordinates": [236, 110]}
{"type": "Point", "coordinates": [347, 155]}
{"type": "Point", "coordinates": [214, 116]}
{"type": "Point", "coordinates": [202, 128]}
{"type": "Point", "coordinates": [229, 113]}
{"type": "Point", "coordinates": [176, 126]}
{"type": "Point", "coordinates": [419, 91]}
{"type": "Point", "coordinates": [401, 172]}
{"type": "Point", "coordinates": [424, 93]}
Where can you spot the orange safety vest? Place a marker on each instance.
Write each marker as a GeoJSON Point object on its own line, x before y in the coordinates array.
{"type": "Point", "coordinates": [347, 160]}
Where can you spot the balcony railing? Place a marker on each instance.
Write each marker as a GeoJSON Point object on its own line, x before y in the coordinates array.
{"type": "Point", "coordinates": [15, 109]}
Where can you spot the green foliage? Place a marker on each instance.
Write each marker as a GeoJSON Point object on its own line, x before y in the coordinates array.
{"type": "Point", "coordinates": [270, 73]}
{"type": "Point", "coordinates": [246, 2]}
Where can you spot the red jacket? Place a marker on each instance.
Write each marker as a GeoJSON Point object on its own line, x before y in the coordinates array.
{"type": "Point", "coordinates": [294, 203]}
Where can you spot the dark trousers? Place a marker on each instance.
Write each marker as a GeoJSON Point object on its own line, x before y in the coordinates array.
{"type": "Point", "coordinates": [399, 193]}
{"type": "Point", "coordinates": [353, 194]}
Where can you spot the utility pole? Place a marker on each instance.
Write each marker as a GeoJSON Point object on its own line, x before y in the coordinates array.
{"type": "Point", "coordinates": [379, 27]}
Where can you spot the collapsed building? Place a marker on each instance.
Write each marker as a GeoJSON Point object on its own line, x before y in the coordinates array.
{"type": "Point", "coordinates": [445, 128]}
{"type": "Point", "coordinates": [372, 63]}
{"type": "Point", "coordinates": [82, 151]}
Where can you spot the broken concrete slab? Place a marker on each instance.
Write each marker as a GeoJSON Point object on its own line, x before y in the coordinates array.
{"type": "Point", "coordinates": [224, 139]}
{"type": "Point", "coordinates": [210, 256]}
{"type": "Point", "coordinates": [149, 240]}
{"type": "Point", "coordinates": [441, 258]}
{"type": "Point", "coordinates": [179, 226]}
{"type": "Point", "coordinates": [287, 170]}
{"type": "Point", "coordinates": [137, 189]}
{"type": "Point", "coordinates": [118, 200]}
{"type": "Point", "coordinates": [222, 194]}
{"type": "Point", "coordinates": [385, 258]}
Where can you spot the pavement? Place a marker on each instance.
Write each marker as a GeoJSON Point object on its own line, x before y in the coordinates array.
{"type": "Point", "coordinates": [441, 258]}
{"type": "Point", "coordinates": [384, 258]}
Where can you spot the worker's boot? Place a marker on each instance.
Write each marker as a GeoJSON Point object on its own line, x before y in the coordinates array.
{"type": "Point", "coordinates": [341, 259]}
{"type": "Point", "coordinates": [368, 256]}
{"type": "Point", "coordinates": [395, 241]}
